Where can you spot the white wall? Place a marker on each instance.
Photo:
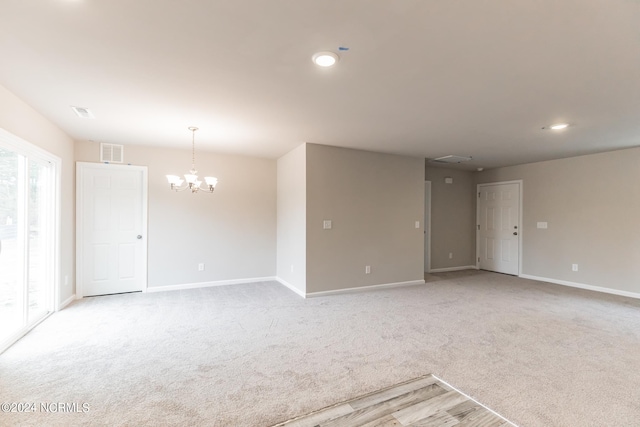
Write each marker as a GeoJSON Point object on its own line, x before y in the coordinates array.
{"type": "Point", "coordinates": [232, 231]}
{"type": "Point", "coordinates": [592, 207]}
{"type": "Point", "coordinates": [292, 211]}
{"type": "Point", "coordinates": [23, 121]}
{"type": "Point", "coordinates": [373, 200]}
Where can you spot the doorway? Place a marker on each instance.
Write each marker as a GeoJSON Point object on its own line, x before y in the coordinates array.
{"type": "Point", "coordinates": [427, 226]}
{"type": "Point", "coordinates": [111, 218]}
{"type": "Point", "coordinates": [29, 200]}
{"type": "Point", "coordinates": [499, 230]}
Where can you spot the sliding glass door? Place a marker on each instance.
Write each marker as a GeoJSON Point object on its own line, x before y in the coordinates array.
{"type": "Point", "coordinates": [27, 247]}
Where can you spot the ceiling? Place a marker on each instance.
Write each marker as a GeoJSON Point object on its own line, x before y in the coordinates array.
{"type": "Point", "coordinates": [424, 78]}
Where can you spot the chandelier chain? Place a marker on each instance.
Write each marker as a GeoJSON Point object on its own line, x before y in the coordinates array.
{"type": "Point", "coordinates": [193, 148]}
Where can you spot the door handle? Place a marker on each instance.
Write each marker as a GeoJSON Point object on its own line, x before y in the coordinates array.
{"type": "Point", "coordinates": [515, 233]}
{"type": "Point", "coordinates": [139, 236]}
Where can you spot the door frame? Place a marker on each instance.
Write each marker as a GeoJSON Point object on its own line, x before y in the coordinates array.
{"type": "Point", "coordinates": [80, 168]}
{"type": "Point", "coordinates": [520, 216]}
{"type": "Point", "coordinates": [427, 226]}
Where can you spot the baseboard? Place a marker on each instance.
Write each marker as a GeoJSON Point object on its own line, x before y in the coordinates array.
{"type": "Point", "coordinates": [66, 302]}
{"type": "Point", "coordinates": [291, 287]}
{"type": "Point", "coordinates": [462, 267]}
{"type": "Point", "coordinates": [365, 288]}
{"type": "Point", "coordinates": [209, 284]}
{"type": "Point", "coordinates": [582, 286]}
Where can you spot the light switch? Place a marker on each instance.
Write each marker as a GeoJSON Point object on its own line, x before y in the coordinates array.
{"type": "Point", "coordinates": [326, 224]}
{"type": "Point", "coordinates": [542, 225]}
{"type": "Point", "coordinates": [417, 224]}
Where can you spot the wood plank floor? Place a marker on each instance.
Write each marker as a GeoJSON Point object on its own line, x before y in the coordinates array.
{"type": "Point", "coordinates": [422, 402]}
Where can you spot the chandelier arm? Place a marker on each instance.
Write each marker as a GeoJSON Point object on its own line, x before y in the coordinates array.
{"type": "Point", "coordinates": [206, 188]}
{"type": "Point", "coordinates": [179, 188]}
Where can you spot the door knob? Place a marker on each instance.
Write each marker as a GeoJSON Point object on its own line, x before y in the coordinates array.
{"type": "Point", "coordinates": [139, 236]}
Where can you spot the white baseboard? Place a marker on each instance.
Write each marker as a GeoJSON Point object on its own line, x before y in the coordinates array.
{"type": "Point", "coordinates": [291, 287]}
{"type": "Point", "coordinates": [462, 267]}
{"type": "Point", "coordinates": [209, 284]}
{"type": "Point", "coordinates": [365, 288]}
{"type": "Point", "coordinates": [582, 286]}
{"type": "Point", "coordinates": [66, 302]}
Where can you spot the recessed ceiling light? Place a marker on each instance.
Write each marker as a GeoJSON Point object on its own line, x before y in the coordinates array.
{"type": "Point", "coordinates": [559, 126]}
{"type": "Point", "coordinates": [451, 159]}
{"type": "Point", "coordinates": [325, 59]}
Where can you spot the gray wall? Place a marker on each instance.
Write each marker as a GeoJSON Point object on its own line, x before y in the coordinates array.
{"type": "Point", "coordinates": [292, 220]}
{"type": "Point", "coordinates": [453, 217]}
{"type": "Point", "coordinates": [232, 231]}
{"type": "Point", "coordinates": [23, 121]}
{"type": "Point", "coordinates": [373, 200]}
{"type": "Point", "coordinates": [592, 206]}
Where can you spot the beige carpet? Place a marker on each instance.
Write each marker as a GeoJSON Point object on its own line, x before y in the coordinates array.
{"type": "Point", "coordinates": [256, 355]}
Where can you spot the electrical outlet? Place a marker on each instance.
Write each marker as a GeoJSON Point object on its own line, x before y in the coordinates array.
{"type": "Point", "coordinates": [326, 224]}
{"type": "Point", "coordinates": [574, 267]}
{"type": "Point", "coordinates": [367, 269]}
{"type": "Point", "coordinates": [66, 280]}
{"type": "Point", "coordinates": [292, 268]}
{"type": "Point", "coordinates": [450, 255]}
{"type": "Point", "coordinates": [201, 266]}
{"type": "Point", "coordinates": [417, 224]}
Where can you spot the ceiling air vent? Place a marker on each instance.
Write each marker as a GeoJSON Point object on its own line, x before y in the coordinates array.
{"type": "Point", "coordinates": [111, 153]}
{"type": "Point", "coordinates": [83, 113]}
{"type": "Point", "coordinates": [451, 159]}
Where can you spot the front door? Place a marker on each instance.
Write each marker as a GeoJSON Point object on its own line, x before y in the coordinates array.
{"type": "Point", "coordinates": [499, 227]}
{"type": "Point", "coordinates": [112, 211]}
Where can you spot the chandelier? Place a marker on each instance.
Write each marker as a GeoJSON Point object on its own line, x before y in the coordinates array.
{"type": "Point", "coordinates": [191, 178]}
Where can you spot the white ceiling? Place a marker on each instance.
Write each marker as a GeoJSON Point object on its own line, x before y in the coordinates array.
{"type": "Point", "coordinates": [424, 78]}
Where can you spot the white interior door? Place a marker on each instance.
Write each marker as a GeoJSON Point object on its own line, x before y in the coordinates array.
{"type": "Point", "coordinates": [427, 226]}
{"type": "Point", "coordinates": [112, 212]}
{"type": "Point", "coordinates": [499, 227]}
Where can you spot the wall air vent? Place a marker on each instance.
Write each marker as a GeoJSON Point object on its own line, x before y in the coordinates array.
{"type": "Point", "coordinates": [451, 159]}
{"type": "Point", "coordinates": [111, 153]}
{"type": "Point", "coordinates": [83, 113]}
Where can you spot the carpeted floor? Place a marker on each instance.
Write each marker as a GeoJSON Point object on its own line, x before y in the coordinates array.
{"type": "Point", "coordinates": [257, 354]}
